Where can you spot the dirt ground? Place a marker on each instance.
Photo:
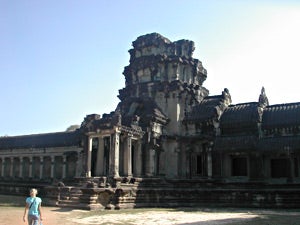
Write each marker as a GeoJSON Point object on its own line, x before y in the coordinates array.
{"type": "Point", "coordinates": [12, 215]}
{"type": "Point", "coordinates": [54, 216]}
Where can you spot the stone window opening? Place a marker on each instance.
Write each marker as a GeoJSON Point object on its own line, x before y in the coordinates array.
{"type": "Point", "coordinates": [47, 167]}
{"type": "Point", "coordinates": [107, 144]}
{"type": "Point", "coordinates": [199, 165]}
{"type": "Point", "coordinates": [16, 167]}
{"type": "Point", "coordinates": [122, 156]}
{"type": "Point", "coordinates": [7, 164]}
{"type": "Point", "coordinates": [279, 168]}
{"type": "Point", "coordinates": [71, 166]}
{"type": "Point", "coordinates": [36, 167]}
{"type": "Point", "coordinates": [296, 167]}
{"type": "Point", "coordinates": [26, 168]}
{"type": "Point", "coordinates": [136, 160]}
{"type": "Point", "coordinates": [239, 166]}
{"type": "Point", "coordinates": [133, 155]}
{"type": "Point", "coordinates": [94, 160]}
{"type": "Point", "coordinates": [58, 167]}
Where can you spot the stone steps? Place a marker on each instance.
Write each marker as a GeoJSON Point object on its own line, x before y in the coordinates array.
{"type": "Point", "coordinates": [69, 196]}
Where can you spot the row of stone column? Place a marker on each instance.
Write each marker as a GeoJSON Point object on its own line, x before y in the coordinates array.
{"type": "Point", "coordinates": [116, 144]}
{"type": "Point", "coordinates": [18, 164]}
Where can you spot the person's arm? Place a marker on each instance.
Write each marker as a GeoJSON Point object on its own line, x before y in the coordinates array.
{"type": "Point", "coordinates": [25, 211]}
{"type": "Point", "coordinates": [40, 211]}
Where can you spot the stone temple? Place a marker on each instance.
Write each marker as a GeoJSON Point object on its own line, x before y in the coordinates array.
{"type": "Point", "coordinates": [167, 144]}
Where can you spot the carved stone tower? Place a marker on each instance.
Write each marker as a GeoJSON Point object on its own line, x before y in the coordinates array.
{"type": "Point", "coordinates": [165, 72]}
{"type": "Point", "coordinates": [163, 83]}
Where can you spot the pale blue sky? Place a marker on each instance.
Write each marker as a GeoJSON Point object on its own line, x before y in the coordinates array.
{"type": "Point", "coordinates": [62, 60]}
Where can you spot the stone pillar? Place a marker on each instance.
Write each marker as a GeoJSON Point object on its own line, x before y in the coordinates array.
{"type": "Point", "coordinates": [52, 166]}
{"type": "Point", "coordinates": [256, 167]}
{"type": "Point", "coordinates": [3, 167]}
{"type": "Point", "coordinates": [127, 157]}
{"type": "Point", "coordinates": [21, 167]}
{"type": "Point", "coordinates": [138, 159]}
{"type": "Point", "coordinates": [209, 163]}
{"type": "Point", "coordinates": [267, 166]}
{"type": "Point", "coordinates": [152, 160]}
{"type": "Point", "coordinates": [226, 170]}
{"type": "Point", "coordinates": [41, 167]}
{"type": "Point", "coordinates": [100, 158]}
{"type": "Point", "coordinates": [114, 156]}
{"type": "Point", "coordinates": [158, 154]}
{"type": "Point", "coordinates": [189, 153]}
{"type": "Point", "coordinates": [11, 166]}
{"type": "Point", "coordinates": [146, 158]}
{"type": "Point", "coordinates": [64, 166]}
{"type": "Point", "coordinates": [291, 169]}
{"type": "Point", "coordinates": [30, 166]}
{"type": "Point", "coordinates": [296, 165]}
{"type": "Point", "coordinates": [89, 157]}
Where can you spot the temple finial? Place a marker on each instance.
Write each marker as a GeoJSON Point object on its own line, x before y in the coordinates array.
{"type": "Point", "coordinates": [263, 99]}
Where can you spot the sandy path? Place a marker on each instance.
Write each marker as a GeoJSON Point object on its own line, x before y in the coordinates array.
{"type": "Point", "coordinates": [54, 216]}
{"type": "Point", "coordinates": [166, 218]}
{"type": "Point", "coordinates": [14, 216]}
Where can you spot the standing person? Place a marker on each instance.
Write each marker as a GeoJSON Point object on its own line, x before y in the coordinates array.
{"type": "Point", "coordinates": [33, 208]}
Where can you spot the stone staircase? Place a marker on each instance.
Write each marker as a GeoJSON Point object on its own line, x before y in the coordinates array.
{"type": "Point", "coordinates": [69, 196]}
{"type": "Point", "coordinates": [81, 193]}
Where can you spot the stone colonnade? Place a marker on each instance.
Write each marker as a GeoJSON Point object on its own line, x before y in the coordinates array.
{"type": "Point", "coordinates": [38, 167]}
{"type": "Point", "coordinates": [116, 154]}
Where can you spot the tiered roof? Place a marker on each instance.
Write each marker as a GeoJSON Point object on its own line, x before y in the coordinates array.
{"type": "Point", "coordinates": [206, 110]}
{"type": "Point", "coordinates": [281, 116]}
{"type": "Point", "coordinates": [240, 118]}
{"type": "Point", "coordinates": [59, 139]}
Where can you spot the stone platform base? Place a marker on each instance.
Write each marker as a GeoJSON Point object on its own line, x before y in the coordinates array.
{"type": "Point", "coordinates": [94, 194]}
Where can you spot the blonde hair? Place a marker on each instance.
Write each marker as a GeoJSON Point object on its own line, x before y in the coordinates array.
{"type": "Point", "coordinates": [33, 190]}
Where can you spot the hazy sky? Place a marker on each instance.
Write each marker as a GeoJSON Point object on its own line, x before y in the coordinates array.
{"type": "Point", "coordinates": [61, 60]}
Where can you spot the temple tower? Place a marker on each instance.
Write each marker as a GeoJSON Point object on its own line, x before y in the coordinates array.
{"type": "Point", "coordinates": [165, 72]}
{"type": "Point", "coordinates": [163, 83]}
